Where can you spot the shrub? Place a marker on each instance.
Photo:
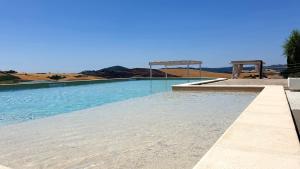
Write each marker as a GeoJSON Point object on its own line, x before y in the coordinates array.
{"type": "Point", "coordinates": [56, 77]}
{"type": "Point", "coordinates": [10, 71]}
{"type": "Point", "coordinates": [8, 77]}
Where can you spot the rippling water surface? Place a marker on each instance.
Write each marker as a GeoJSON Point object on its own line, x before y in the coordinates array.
{"type": "Point", "coordinates": [167, 130]}
{"type": "Point", "coordinates": [22, 105]}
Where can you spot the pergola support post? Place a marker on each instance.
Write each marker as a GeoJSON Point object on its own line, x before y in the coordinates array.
{"type": "Point", "coordinates": [166, 72]}
{"type": "Point", "coordinates": [234, 72]}
{"type": "Point", "coordinates": [188, 71]}
{"type": "Point", "coordinates": [150, 71]}
{"type": "Point", "coordinates": [200, 71]}
{"type": "Point", "coordinates": [261, 70]}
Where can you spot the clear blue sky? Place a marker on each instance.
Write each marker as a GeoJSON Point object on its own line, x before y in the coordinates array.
{"type": "Point", "coordinates": [75, 35]}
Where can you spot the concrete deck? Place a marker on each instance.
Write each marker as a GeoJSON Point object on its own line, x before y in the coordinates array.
{"type": "Point", "coordinates": [263, 137]}
{"type": "Point", "coordinates": [229, 82]}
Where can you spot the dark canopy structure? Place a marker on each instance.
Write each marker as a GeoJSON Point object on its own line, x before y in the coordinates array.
{"type": "Point", "coordinates": [237, 67]}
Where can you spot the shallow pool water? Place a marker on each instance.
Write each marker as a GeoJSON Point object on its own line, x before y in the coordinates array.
{"type": "Point", "coordinates": [22, 105]}
{"type": "Point", "coordinates": [160, 131]}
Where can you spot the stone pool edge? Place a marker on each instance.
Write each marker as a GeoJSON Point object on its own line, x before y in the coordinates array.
{"type": "Point", "coordinates": [200, 86]}
{"type": "Point", "coordinates": [263, 136]}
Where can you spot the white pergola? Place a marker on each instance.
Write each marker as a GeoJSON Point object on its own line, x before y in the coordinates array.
{"type": "Point", "coordinates": [237, 67]}
{"type": "Point", "coordinates": [176, 63]}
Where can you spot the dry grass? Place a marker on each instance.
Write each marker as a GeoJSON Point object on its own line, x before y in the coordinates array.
{"type": "Point", "coordinates": [68, 76]}
{"type": "Point", "coordinates": [195, 73]}
{"type": "Point", "coordinates": [177, 72]}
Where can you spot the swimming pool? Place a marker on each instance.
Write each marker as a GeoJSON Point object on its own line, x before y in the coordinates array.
{"type": "Point", "coordinates": [159, 131]}
{"type": "Point", "coordinates": [22, 105]}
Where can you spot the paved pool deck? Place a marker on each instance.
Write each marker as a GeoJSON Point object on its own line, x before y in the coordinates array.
{"type": "Point", "coordinates": [282, 82]}
{"type": "Point", "coordinates": [262, 137]}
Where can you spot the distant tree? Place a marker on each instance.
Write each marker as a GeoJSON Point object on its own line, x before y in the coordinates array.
{"type": "Point", "coordinates": [292, 52]}
{"type": "Point", "coordinates": [11, 71]}
{"type": "Point", "coordinates": [56, 77]}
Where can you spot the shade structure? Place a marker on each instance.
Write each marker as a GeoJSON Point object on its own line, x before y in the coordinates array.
{"type": "Point", "coordinates": [176, 63]}
{"type": "Point", "coordinates": [237, 67]}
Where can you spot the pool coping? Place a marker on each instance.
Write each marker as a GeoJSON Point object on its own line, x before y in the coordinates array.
{"type": "Point", "coordinates": [200, 82]}
{"type": "Point", "coordinates": [200, 86]}
{"type": "Point", "coordinates": [263, 136]}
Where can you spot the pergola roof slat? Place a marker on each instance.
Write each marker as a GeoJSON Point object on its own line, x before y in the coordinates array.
{"type": "Point", "coordinates": [245, 62]}
{"type": "Point", "coordinates": [173, 63]}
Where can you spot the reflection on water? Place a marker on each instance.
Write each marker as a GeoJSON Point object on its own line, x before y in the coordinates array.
{"type": "Point", "coordinates": [166, 84]}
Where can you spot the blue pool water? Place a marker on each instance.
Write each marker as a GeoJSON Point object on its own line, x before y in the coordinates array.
{"type": "Point", "coordinates": [22, 105]}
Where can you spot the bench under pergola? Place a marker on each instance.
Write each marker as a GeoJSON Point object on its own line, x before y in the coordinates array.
{"type": "Point", "coordinates": [237, 67]}
{"type": "Point", "coordinates": [176, 63]}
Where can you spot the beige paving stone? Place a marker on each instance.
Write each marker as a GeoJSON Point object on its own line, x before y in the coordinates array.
{"type": "Point", "coordinates": [229, 158]}
{"type": "Point", "coordinates": [268, 109]}
{"type": "Point", "coordinates": [270, 102]}
{"type": "Point", "coordinates": [252, 137]}
{"type": "Point", "coordinates": [247, 82]}
{"type": "Point", "coordinates": [267, 119]}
